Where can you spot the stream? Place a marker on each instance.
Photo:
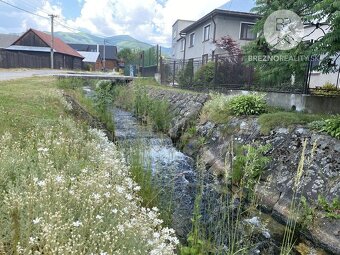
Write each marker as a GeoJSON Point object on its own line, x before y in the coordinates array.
{"type": "Point", "coordinates": [177, 179]}
{"type": "Point", "coordinates": [172, 171]}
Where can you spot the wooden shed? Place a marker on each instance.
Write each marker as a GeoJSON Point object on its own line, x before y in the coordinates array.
{"type": "Point", "coordinates": [33, 50]}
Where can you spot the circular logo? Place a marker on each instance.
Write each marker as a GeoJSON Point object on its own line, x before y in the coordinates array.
{"type": "Point", "coordinates": [283, 30]}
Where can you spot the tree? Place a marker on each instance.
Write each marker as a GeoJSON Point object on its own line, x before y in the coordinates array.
{"type": "Point", "coordinates": [128, 56]}
{"type": "Point", "coordinates": [311, 12]}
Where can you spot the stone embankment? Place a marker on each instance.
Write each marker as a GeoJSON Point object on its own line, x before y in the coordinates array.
{"type": "Point", "coordinates": [321, 173]}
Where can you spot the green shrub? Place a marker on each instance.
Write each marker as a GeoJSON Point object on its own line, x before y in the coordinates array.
{"type": "Point", "coordinates": [252, 104]}
{"type": "Point", "coordinates": [216, 109]}
{"type": "Point", "coordinates": [317, 125]}
{"type": "Point", "coordinates": [249, 164]}
{"type": "Point", "coordinates": [332, 208]}
{"type": "Point", "coordinates": [205, 75]}
{"type": "Point", "coordinates": [332, 127]}
{"type": "Point", "coordinates": [185, 76]}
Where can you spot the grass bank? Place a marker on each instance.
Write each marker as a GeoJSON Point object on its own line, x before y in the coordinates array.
{"type": "Point", "coordinates": [64, 189]}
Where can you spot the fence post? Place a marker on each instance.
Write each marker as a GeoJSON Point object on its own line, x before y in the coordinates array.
{"type": "Point", "coordinates": [174, 73]}
{"type": "Point", "coordinates": [215, 71]}
{"type": "Point", "coordinates": [307, 76]}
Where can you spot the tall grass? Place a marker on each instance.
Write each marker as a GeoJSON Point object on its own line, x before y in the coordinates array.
{"type": "Point", "coordinates": [218, 221]}
{"type": "Point", "coordinates": [154, 112]}
{"type": "Point", "coordinates": [98, 106]}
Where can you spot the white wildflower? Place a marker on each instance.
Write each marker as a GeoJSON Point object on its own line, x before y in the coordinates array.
{"type": "Point", "coordinates": [96, 196]}
{"type": "Point", "coordinates": [41, 183]}
{"type": "Point", "coordinates": [77, 223]}
{"type": "Point", "coordinates": [120, 189]}
{"type": "Point", "coordinates": [42, 149]}
{"type": "Point", "coordinates": [59, 179]}
{"type": "Point", "coordinates": [128, 197]}
{"type": "Point", "coordinates": [36, 220]}
{"type": "Point", "coordinates": [114, 211]}
{"type": "Point", "coordinates": [107, 194]}
{"type": "Point", "coordinates": [99, 217]}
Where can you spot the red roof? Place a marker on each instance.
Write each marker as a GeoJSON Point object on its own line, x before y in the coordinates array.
{"type": "Point", "coordinates": [59, 46]}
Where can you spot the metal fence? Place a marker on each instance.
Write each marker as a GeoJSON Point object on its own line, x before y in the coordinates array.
{"type": "Point", "coordinates": [223, 73]}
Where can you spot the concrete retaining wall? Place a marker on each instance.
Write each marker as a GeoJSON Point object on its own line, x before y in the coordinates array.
{"type": "Point", "coordinates": [299, 102]}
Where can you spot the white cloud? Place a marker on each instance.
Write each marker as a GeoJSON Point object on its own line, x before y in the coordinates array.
{"type": "Point", "coordinates": [146, 20]}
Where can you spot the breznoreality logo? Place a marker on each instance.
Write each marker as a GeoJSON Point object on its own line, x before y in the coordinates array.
{"type": "Point", "coordinates": [283, 30]}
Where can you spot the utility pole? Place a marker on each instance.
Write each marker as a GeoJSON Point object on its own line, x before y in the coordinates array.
{"type": "Point", "coordinates": [52, 42]}
{"type": "Point", "coordinates": [104, 65]}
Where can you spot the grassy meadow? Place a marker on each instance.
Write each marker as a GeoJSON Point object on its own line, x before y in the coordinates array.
{"type": "Point", "coordinates": [64, 188]}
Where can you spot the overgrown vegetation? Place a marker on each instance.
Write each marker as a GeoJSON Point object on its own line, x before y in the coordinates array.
{"type": "Point", "coordinates": [99, 105]}
{"type": "Point", "coordinates": [221, 107]}
{"type": "Point", "coordinates": [205, 75]}
{"type": "Point", "coordinates": [228, 233]}
{"type": "Point", "coordinates": [270, 121]}
{"type": "Point", "coordinates": [64, 188]}
{"type": "Point", "coordinates": [332, 126]}
{"type": "Point", "coordinates": [136, 99]}
{"type": "Point", "coordinates": [331, 208]}
{"type": "Point", "coordinates": [186, 74]}
{"type": "Point", "coordinates": [252, 104]}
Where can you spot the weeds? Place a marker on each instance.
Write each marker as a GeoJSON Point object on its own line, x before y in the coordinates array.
{"type": "Point", "coordinates": [332, 208]}
{"type": "Point", "coordinates": [152, 111]}
{"type": "Point", "coordinates": [271, 121]}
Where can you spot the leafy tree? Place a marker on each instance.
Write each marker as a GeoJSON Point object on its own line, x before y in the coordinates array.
{"type": "Point", "coordinates": [310, 11]}
{"type": "Point", "coordinates": [128, 56]}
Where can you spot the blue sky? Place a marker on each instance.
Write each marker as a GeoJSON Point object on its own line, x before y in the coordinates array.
{"type": "Point", "coordinates": [146, 20]}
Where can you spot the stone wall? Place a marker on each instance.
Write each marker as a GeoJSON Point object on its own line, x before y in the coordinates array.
{"type": "Point", "coordinates": [321, 174]}
{"type": "Point", "coordinates": [185, 107]}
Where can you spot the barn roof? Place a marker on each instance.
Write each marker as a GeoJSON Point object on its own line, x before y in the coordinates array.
{"type": "Point", "coordinates": [7, 39]}
{"type": "Point", "coordinates": [110, 50]}
{"type": "Point", "coordinates": [90, 57]}
{"type": "Point", "coordinates": [59, 46]}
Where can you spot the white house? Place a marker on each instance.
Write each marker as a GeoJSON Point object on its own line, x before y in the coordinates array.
{"type": "Point", "coordinates": [196, 39]}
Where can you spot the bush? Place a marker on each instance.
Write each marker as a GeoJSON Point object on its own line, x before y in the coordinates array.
{"type": "Point", "coordinates": [185, 76]}
{"type": "Point", "coordinates": [217, 109]}
{"type": "Point", "coordinates": [205, 75]}
{"type": "Point", "coordinates": [332, 127]}
{"type": "Point", "coordinates": [252, 104]}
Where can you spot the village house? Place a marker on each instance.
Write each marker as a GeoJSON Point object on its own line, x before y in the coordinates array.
{"type": "Point", "coordinates": [196, 39]}
{"type": "Point", "coordinates": [33, 50]}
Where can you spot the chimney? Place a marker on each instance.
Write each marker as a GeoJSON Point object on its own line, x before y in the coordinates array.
{"type": "Point", "coordinates": [97, 47]}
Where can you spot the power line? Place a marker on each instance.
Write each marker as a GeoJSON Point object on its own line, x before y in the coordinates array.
{"type": "Point", "coordinates": [62, 24]}
{"type": "Point", "coordinates": [21, 9]}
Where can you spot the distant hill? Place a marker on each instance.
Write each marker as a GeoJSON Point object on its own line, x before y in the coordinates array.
{"type": "Point", "coordinates": [121, 41]}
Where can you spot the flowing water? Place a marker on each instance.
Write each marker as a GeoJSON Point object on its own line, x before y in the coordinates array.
{"type": "Point", "coordinates": [172, 170]}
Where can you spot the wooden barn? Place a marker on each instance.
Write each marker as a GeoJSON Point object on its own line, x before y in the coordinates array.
{"type": "Point", "coordinates": [108, 53]}
{"type": "Point", "coordinates": [33, 50]}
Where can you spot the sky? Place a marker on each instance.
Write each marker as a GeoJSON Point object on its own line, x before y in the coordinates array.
{"type": "Point", "coordinates": [146, 20]}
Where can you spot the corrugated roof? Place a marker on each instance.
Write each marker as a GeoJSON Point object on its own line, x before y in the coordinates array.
{"type": "Point", "coordinates": [220, 12]}
{"type": "Point", "coordinates": [110, 50]}
{"type": "Point", "coordinates": [59, 46]}
{"type": "Point", "coordinates": [7, 39]}
{"type": "Point", "coordinates": [90, 57]}
{"type": "Point", "coordinates": [28, 48]}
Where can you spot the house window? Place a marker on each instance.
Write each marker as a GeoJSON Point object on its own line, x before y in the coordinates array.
{"type": "Point", "coordinates": [191, 40]}
{"type": "Point", "coordinates": [206, 32]}
{"type": "Point", "coordinates": [182, 44]}
{"type": "Point", "coordinates": [204, 59]}
{"type": "Point", "coordinates": [246, 31]}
